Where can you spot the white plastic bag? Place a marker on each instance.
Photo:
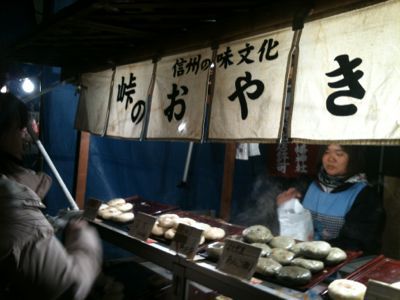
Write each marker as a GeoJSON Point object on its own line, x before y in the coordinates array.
{"type": "Point", "coordinates": [295, 221]}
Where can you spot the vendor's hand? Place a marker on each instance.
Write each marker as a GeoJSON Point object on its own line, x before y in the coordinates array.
{"type": "Point", "coordinates": [287, 195]}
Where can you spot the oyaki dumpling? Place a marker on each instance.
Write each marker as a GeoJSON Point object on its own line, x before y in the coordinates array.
{"type": "Point", "coordinates": [124, 207]}
{"type": "Point", "coordinates": [311, 264]}
{"type": "Point", "coordinates": [265, 249]}
{"type": "Point", "coordinates": [346, 289]}
{"type": "Point", "coordinates": [167, 220]}
{"type": "Point", "coordinates": [284, 242]}
{"type": "Point", "coordinates": [170, 233]}
{"type": "Point", "coordinates": [123, 217]}
{"type": "Point", "coordinates": [282, 256]}
{"type": "Point", "coordinates": [109, 212]}
{"type": "Point", "coordinates": [158, 230]}
{"type": "Point", "coordinates": [316, 249]}
{"type": "Point", "coordinates": [116, 201]}
{"type": "Point", "coordinates": [214, 233]}
{"type": "Point", "coordinates": [297, 248]}
{"type": "Point", "coordinates": [335, 256]}
{"type": "Point", "coordinates": [103, 206]}
{"type": "Point", "coordinates": [257, 234]}
{"type": "Point", "coordinates": [293, 275]}
{"type": "Point", "coordinates": [201, 226]}
{"type": "Point", "coordinates": [268, 266]}
{"type": "Point", "coordinates": [186, 221]}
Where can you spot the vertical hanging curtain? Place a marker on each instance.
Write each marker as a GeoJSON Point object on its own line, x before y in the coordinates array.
{"type": "Point", "coordinates": [250, 87]}
{"type": "Point", "coordinates": [347, 78]}
{"type": "Point", "coordinates": [129, 100]}
{"type": "Point", "coordinates": [179, 96]}
{"type": "Point", "coordinates": [92, 113]}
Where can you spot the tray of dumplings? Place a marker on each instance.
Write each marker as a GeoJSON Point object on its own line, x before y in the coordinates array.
{"type": "Point", "coordinates": [213, 229]}
{"type": "Point", "coordinates": [288, 262]}
{"type": "Point", "coordinates": [123, 210]}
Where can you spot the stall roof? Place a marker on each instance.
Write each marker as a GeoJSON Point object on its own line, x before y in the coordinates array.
{"type": "Point", "coordinates": [95, 35]}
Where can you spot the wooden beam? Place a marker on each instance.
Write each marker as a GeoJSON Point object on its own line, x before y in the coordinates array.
{"type": "Point", "coordinates": [81, 173]}
{"type": "Point", "coordinates": [227, 184]}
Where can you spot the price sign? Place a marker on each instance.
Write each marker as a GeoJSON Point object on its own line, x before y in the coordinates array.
{"type": "Point", "coordinates": [239, 259]}
{"type": "Point", "coordinates": [186, 240]}
{"type": "Point", "coordinates": [377, 290]}
{"type": "Point", "coordinates": [91, 208]}
{"type": "Point", "coordinates": [142, 226]}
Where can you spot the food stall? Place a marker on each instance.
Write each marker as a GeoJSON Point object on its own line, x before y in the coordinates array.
{"type": "Point", "coordinates": [272, 72]}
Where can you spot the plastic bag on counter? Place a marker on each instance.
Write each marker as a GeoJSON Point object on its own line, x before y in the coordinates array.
{"type": "Point", "coordinates": [295, 221]}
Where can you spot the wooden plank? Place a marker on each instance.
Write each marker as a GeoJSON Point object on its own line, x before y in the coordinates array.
{"type": "Point", "coordinates": [82, 167]}
{"type": "Point", "coordinates": [227, 184]}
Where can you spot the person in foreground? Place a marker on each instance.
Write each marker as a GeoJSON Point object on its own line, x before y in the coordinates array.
{"type": "Point", "coordinates": [34, 264]}
{"type": "Point", "coordinates": [346, 211]}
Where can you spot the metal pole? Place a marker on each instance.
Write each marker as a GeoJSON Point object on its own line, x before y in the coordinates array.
{"type": "Point", "coordinates": [187, 164]}
{"type": "Point", "coordinates": [52, 167]}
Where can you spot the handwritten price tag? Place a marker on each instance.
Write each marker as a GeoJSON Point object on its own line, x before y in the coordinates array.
{"type": "Point", "coordinates": [186, 240]}
{"type": "Point", "coordinates": [239, 259]}
{"type": "Point", "coordinates": [377, 290]}
{"type": "Point", "coordinates": [91, 208]}
{"type": "Point", "coordinates": [142, 226]}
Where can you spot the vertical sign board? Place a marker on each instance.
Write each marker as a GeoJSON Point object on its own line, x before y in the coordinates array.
{"type": "Point", "coordinates": [249, 87]}
{"type": "Point", "coordinates": [129, 100]}
{"type": "Point", "coordinates": [348, 75]}
{"type": "Point", "coordinates": [93, 102]}
{"type": "Point", "coordinates": [178, 100]}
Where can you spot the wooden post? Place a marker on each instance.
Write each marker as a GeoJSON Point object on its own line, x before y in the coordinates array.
{"type": "Point", "coordinates": [227, 184]}
{"type": "Point", "coordinates": [81, 173]}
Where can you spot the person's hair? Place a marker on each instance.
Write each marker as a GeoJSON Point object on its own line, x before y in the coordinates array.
{"type": "Point", "coordinates": [356, 153]}
{"type": "Point", "coordinates": [12, 109]}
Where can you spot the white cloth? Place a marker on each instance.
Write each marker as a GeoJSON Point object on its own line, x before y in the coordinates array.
{"type": "Point", "coordinates": [369, 38]}
{"type": "Point", "coordinates": [249, 87]}
{"type": "Point", "coordinates": [179, 96]}
{"type": "Point", "coordinates": [246, 150]}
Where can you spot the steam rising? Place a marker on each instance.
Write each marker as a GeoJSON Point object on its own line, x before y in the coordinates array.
{"type": "Point", "coordinates": [261, 208]}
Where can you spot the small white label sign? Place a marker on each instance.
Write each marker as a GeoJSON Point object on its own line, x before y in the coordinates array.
{"type": "Point", "coordinates": [91, 208]}
{"type": "Point", "coordinates": [377, 290]}
{"type": "Point", "coordinates": [186, 240]}
{"type": "Point", "coordinates": [239, 259]}
{"type": "Point", "coordinates": [142, 226]}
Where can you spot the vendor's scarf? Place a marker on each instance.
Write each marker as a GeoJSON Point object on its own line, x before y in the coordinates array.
{"type": "Point", "coordinates": [330, 183]}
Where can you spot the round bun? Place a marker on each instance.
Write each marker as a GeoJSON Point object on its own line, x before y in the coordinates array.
{"type": "Point", "coordinates": [116, 201]}
{"type": "Point", "coordinates": [109, 213]}
{"type": "Point", "coordinates": [170, 234]}
{"type": "Point", "coordinates": [214, 233]}
{"type": "Point", "coordinates": [158, 230]}
{"type": "Point", "coordinates": [345, 289]}
{"type": "Point", "coordinates": [167, 220]}
{"type": "Point", "coordinates": [123, 217]}
{"type": "Point", "coordinates": [124, 207]}
{"type": "Point", "coordinates": [103, 206]}
{"type": "Point", "coordinates": [186, 221]}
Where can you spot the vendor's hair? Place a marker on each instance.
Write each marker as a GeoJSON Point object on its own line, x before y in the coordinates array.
{"type": "Point", "coordinates": [356, 153]}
